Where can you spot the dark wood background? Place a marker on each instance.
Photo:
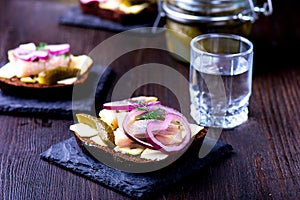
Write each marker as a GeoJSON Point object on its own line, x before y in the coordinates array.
{"type": "Point", "coordinates": [266, 163]}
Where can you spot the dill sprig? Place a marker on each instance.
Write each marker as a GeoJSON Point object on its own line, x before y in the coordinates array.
{"type": "Point", "coordinates": [157, 114]}
{"type": "Point", "coordinates": [41, 46]}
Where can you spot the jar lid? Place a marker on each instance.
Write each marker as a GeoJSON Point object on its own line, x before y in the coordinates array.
{"type": "Point", "coordinates": [214, 11]}
{"type": "Point", "coordinates": [209, 7]}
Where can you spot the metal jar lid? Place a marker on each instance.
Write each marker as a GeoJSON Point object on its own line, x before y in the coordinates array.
{"type": "Point", "coordinates": [217, 12]}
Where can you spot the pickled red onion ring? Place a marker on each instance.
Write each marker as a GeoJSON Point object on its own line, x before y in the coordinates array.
{"type": "Point", "coordinates": [90, 1]}
{"type": "Point", "coordinates": [130, 118]}
{"type": "Point", "coordinates": [154, 126]}
{"type": "Point", "coordinates": [41, 54]}
{"type": "Point", "coordinates": [23, 54]}
{"type": "Point", "coordinates": [126, 105]}
{"type": "Point", "coordinates": [30, 55]}
{"type": "Point", "coordinates": [158, 125]}
{"type": "Point", "coordinates": [55, 49]}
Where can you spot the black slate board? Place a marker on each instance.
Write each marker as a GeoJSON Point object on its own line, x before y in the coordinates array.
{"type": "Point", "coordinates": [68, 155]}
{"type": "Point", "coordinates": [57, 108]}
{"type": "Point", "coordinates": [74, 17]}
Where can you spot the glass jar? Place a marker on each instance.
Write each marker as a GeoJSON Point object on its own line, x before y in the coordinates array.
{"type": "Point", "coordinates": [186, 19]}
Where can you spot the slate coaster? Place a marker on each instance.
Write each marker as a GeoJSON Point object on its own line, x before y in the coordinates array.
{"type": "Point", "coordinates": [68, 155]}
{"type": "Point", "coordinates": [64, 108]}
{"type": "Point", "coordinates": [74, 17]}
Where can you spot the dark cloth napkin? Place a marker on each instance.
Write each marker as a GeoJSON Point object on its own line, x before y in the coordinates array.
{"type": "Point", "coordinates": [56, 108]}
{"type": "Point", "coordinates": [74, 17]}
{"type": "Point", "coordinates": [68, 155]}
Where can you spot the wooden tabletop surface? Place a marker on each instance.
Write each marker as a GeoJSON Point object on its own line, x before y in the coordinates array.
{"type": "Point", "coordinates": [266, 163]}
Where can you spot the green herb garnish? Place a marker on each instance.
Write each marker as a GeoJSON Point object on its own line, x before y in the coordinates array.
{"type": "Point", "coordinates": [157, 114]}
{"type": "Point", "coordinates": [179, 125]}
{"type": "Point", "coordinates": [41, 45]}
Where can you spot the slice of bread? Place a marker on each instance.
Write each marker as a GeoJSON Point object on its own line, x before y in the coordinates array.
{"type": "Point", "coordinates": [61, 90]}
{"type": "Point", "coordinates": [15, 87]}
{"type": "Point", "coordinates": [145, 15]}
{"type": "Point", "coordinates": [134, 163]}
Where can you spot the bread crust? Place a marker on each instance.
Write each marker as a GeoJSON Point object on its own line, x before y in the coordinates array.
{"type": "Point", "coordinates": [135, 164]}
{"type": "Point", "coordinates": [14, 86]}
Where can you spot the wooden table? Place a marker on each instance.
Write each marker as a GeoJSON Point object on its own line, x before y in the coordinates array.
{"type": "Point", "coordinates": [266, 163]}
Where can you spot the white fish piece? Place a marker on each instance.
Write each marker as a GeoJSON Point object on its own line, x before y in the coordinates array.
{"type": "Point", "coordinates": [25, 68]}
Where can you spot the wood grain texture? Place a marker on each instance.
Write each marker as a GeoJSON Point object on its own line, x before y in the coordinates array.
{"type": "Point", "coordinates": [266, 163]}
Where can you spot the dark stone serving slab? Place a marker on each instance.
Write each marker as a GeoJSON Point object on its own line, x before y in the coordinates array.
{"type": "Point", "coordinates": [74, 17]}
{"type": "Point", "coordinates": [68, 155]}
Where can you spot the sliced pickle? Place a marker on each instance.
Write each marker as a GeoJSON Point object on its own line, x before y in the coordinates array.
{"type": "Point", "coordinates": [50, 77]}
{"type": "Point", "coordinates": [104, 131]}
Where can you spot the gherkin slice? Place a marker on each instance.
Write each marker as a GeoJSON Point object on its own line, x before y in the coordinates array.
{"type": "Point", "coordinates": [104, 130]}
{"type": "Point", "coordinates": [50, 77]}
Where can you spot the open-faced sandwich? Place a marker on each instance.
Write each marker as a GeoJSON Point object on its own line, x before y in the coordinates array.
{"type": "Point", "coordinates": [122, 11]}
{"type": "Point", "coordinates": [138, 135]}
{"type": "Point", "coordinates": [42, 69]}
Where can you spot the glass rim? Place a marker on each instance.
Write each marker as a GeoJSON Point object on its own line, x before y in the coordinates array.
{"type": "Point", "coordinates": [242, 39]}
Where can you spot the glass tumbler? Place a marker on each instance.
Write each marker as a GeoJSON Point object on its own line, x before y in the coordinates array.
{"type": "Point", "coordinates": [220, 79]}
